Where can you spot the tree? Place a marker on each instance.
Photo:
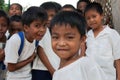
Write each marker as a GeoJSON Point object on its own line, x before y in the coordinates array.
{"type": "Point", "coordinates": [1, 4]}
{"type": "Point", "coordinates": [4, 6]}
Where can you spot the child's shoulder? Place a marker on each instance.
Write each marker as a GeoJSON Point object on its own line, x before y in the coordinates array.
{"type": "Point", "coordinates": [14, 38]}
{"type": "Point", "coordinates": [112, 32]}
{"type": "Point", "coordinates": [88, 62]}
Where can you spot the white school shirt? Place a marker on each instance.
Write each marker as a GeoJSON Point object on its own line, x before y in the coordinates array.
{"type": "Point", "coordinates": [82, 69]}
{"type": "Point", "coordinates": [105, 48]}
{"type": "Point", "coordinates": [11, 56]}
{"type": "Point", "coordinates": [45, 43]}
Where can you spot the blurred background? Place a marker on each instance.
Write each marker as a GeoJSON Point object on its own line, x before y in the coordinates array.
{"type": "Point", "coordinates": [111, 8]}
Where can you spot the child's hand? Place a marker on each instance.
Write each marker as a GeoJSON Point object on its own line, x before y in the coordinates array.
{"type": "Point", "coordinates": [32, 57]}
{"type": "Point", "coordinates": [2, 54]}
{"type": "Point", "coordinates": [83, 49]}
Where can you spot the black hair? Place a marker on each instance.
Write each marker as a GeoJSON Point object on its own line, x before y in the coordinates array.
{"type": "Point", "coordinates": [34, 13]}
{"type": "Point", "coordinates": [58, 6]}
{"type": "Point", "coordinates": [79, 11]}
{"type": "Point", "coordinates": [69, 6]}
{"type": "Point", "coordinates": [21, 8]}
{"type": "Point", "coordinates": [86, 1]}
{"type": "Point", "coordinates": [16, 18]}
{"type": "Point", "coordinates": [74, 19]}
{"type": "Point", "coordinates": [51, 5]}
{"type": "Point", "coordinates": [94, 6]}
{"type": "Point", "coordinates": [3, 14]}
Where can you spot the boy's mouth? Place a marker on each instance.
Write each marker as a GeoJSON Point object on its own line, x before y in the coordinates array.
{"type": "Point", "coordinates": [39, 37]}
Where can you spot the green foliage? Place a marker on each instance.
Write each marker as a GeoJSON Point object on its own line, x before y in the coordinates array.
{"type": "Point", "coordinates": [1, 4]}
{"type": "Point", "coordinates": [4, 6]}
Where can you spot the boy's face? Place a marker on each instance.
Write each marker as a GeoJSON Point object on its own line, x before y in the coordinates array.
{"type": "Point", "coordinates": [3, 26]}
{"type": "Point", "coordinates": [14, 10]}
{"type": "Point", "coordinates": [82, 5]}
{"type": "Point", "coordinates": [94, 19]}
{"type": "Point", "coordinates": [15, 27]}
{"type": "Point", "coordinates": [65, 41]}
{"type": "Point", "coordinates": [51, 13]}
{"type": "Point", "coordinates": [36, 30]}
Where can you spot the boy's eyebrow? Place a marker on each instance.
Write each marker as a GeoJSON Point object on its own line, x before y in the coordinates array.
{"type": "Point", "coordinates": [54, 33]}
{"type": "Point", "coordinates": [70, 33]}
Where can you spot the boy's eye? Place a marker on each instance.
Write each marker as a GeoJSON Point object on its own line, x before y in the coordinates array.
{"type": "Point", "coordinates": [87, 18]}
{"type": "Point", "coordinates": [70, 37]}
{"type": "Point", "coordinates": [54, 37]}
{"type": "Point", "coordinates": [94, 16]}
{"type": "Point", "coordinates": [17, 8]}
{"type": "Point", "coordinates": [3, 25]}
{"type": "Point", "coordinates": [40, 25]}
{"type": "Point", "coordinates": [37, 25]}
{"type": "Point", "coordinates": [45, 25]}
{"type": "Point", "coordinates": [11, 8]}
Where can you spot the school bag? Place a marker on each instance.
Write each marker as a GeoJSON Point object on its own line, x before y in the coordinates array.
{"type": "Point", "coordinates": [21, 35]}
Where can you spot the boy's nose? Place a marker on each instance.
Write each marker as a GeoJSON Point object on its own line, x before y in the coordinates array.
{"type": "Point", "coordinates": [42, 29]}
{"type": "Point", "coordinates": [91, 19]}
{"type": "Point", "coordinates": [61, 43]}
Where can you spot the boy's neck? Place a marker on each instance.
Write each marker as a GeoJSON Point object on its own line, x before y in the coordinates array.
{"type": "Point", "coordinates": [98, 30]}
{"type": "Point", "coordinates": [64, 62]}
{"type": "Point", "coordinates": [28, 37]}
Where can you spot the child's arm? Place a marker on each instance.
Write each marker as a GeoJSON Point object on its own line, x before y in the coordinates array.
{"type": "Point", "coordinates": [15, 66]}
{"type": "Point", "coordinates": [2, 55]}
{"type": "Point", "coordinates": [117, 65]}
{"type": "Point", "coordinates": [45, 60]}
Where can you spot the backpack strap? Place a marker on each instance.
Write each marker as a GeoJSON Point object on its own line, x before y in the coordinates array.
{"type": "Point", "coordinates": [21, 35]}
{"type": "Point", "coordinates": [36, 43]}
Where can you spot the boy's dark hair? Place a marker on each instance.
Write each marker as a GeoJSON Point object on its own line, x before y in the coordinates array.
{"type": "Point", "coordinates": [86, 1]}
{"type": "Point", "coordinates": [16, 18]}
{"type": "Point", "coordinates": [3, 14]}
{"type": "Point", "coordinates": [69, 6]}
{"type": "Point", "coordinates": [34, 13]}
{"type": "Point", "coordinates": [79, 11]}
{"type": "Point", "coordinates": [21, 8]}
{"type": "Point", "coordinates": [71, 18]}
{"type": "Point", "coordinates": [94, 6]}
{"type": "Point", "coordinates": [51, 5]}
{"type": "Point", "coordinates": [58, 6]}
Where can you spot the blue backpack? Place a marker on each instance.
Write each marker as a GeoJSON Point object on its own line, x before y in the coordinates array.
{"type": "Point", "coordinates": [21, 35]}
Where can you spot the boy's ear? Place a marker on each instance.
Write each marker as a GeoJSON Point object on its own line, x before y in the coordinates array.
{"type": "Point", "coordinates": [83, 38]}
{"type": "Point", "coordinates": [25, 28]}
{"type": "Point", "coordinates": [83, 45]}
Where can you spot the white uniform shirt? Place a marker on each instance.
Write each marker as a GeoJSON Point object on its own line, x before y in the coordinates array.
{"type": "Point", "coordinates": [45, 43]}
{"type": "Point", "coordinates": [81, 69]}
{"type": "Point", "coordinates": [11, 56]}
{"type": "Point", "coordinates": [104, 49]}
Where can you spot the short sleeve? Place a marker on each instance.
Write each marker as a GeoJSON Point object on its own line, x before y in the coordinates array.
{"type": "Point", "coordinates": [115, 42]}
{"type": "Point", "coordinates": [46, 39]}
{"type": "Point", "coordinates": [96, 73]}
{"type": "Point", "coordinates": [11, 49]}
{"type": "Point", "coordinates": [91, 70]}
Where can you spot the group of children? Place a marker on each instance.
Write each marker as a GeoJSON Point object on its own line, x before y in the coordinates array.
{"type": "Point", "coordinates": [66, 50]}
